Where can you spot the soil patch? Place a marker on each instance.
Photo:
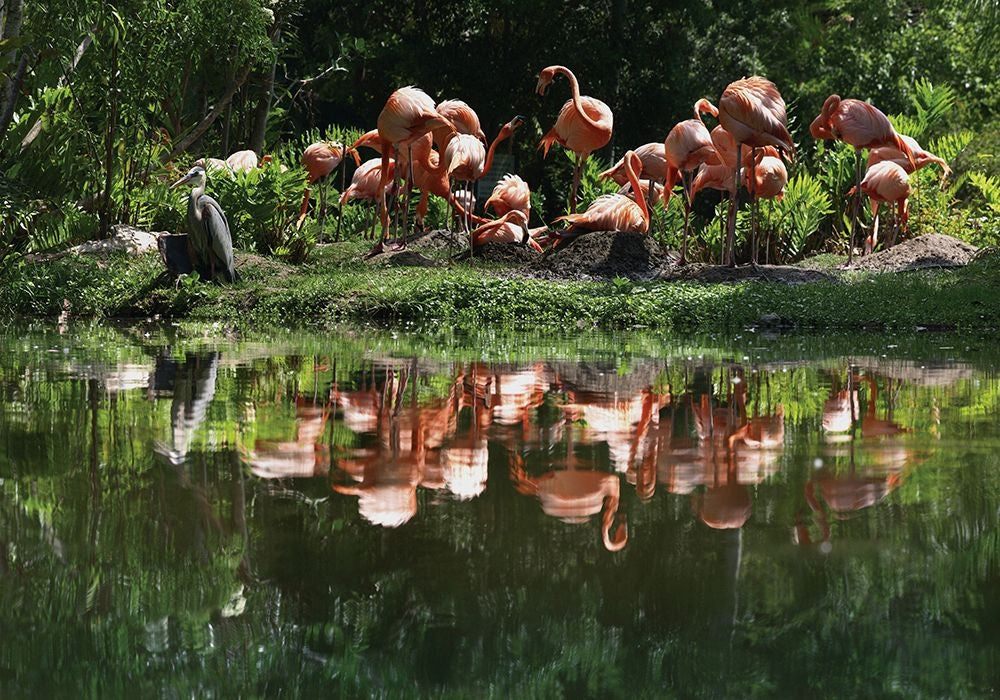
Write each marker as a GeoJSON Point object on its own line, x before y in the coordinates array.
{"type": "Point", "coordinates": [930, 250]}
{"type": "Point", "coordinates": [763, 273]}
{"type": "Point", "coordinates": [603, 255]}
{"type": "Point", "coordinates": [439, 239]}
{"type": "Point", "coordinates": [510, 254]}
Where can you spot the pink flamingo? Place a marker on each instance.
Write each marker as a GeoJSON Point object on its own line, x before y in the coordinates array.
{"type": "Point", "coordinates": [242, 161]}
{"type": "Point", "coordinates": [753, 112]}
{"type": "Point", "coordinates": [766, 179]}
{"type": "Point", "coordinates": [687, 146]}
{"type": "Point", "coordinates": [861, 125]}
{"type": "Point", "coordinates": [511, 192]}
{"type": "Point", "coordinates": [408, 114]}
{"type": "Point", "coordinates": [367, 182]}
{"type": "Point", "coordinates": [887, 181]}
{"type": "Point", "coordinates": [920, 156]}
{"type": "Point", "coordinates": [611, 212]}
{"type": "Point", "coordinates": [463, 117]}
{"type": "Point", "coordinates": [467, 159]}
{"type": "Point", "coordinates": [584, 124]}
{"type": "Point", "coordinates": [319, 159]}
{"type": "Point", "coordinates": [512, 227]}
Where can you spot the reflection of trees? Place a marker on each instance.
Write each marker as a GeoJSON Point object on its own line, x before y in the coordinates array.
{"type": "Point", "coordinates": [120, 571]}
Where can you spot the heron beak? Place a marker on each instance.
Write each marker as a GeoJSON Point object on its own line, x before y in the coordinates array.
{"type": "Point", "coordinates": [180, 182]}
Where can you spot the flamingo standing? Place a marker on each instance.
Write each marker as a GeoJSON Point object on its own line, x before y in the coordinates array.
{"type": "Point", "coordinates": [886, 181]}
{"type": "Point", "coordinates": [367, 183]}
{"type": "Point", "coordinates": [753, 112]}
{"type": "Point", "coordinates": [584, 124]}
{"type": "Point", "coordinates": [766, 180]}
{"type": "Point", "coordinates": [431, 177]}
{"type": "Point", "coordinates": [467, 159]}
{"type": "Point", "coordinates": [320, 159]}
{"type": "Point", "coordinates": [687, 146]}
{"type": "Point", "coordinates": [408, 114]}
{"type": "Point", "coordinates": [612, 212]}
{"type": "Point", "coordinates": [861, 125]}
{"type": "Point", "coordinates": [512, 227]}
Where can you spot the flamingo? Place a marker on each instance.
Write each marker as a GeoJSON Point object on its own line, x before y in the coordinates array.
{"type": "Point", "coordinates": [886, 181]}
{"type": "Point", "coordinates": [408, 114]}
{"type": "Point", "coordinates": [752, 111]}
{"type": "Point", "coordinates": [242, 161]}
{"type": "Point", "coordinates": [687, 146]}
{"type": "Point", "coordinates": [511, 192]}
{"type": "Point", "coordinates": [920, 156]}
{"type": "Point", "coordinates": [612, 212]}
{"type": "Point", "coordinates": [463, 117]}
{"type": "Point", "coordinates": [766, 180]}
{"type": "Point", "coordinates": [512, 227]}
{"type": "Point", "coordinates": [430, 177]}
{"type": "Point", "coordinates": [861, 125]}
{"type": "Point", "coordinates": [584, 124]}
{"type": "Point", "coordinates": [467, 159]}
{"type": "Point", "coordinates": [319, 159]}
{"type": "Point", "coordinates": [654, 168]}
{"type": "Point", "coordinates": [367, 183]}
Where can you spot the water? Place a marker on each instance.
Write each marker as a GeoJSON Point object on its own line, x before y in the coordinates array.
{"type": "Point", "coordinates": [400, 515]}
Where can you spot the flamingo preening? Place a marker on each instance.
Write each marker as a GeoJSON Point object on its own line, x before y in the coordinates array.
{"type": "Point", "coordinates": [584, 124]}
{"type": "Point", "coordinates": [861, 125]}
{"type": "Point", "coordinates": [687, 146]}
{"type": "Point", "coordinates": [753, 112]}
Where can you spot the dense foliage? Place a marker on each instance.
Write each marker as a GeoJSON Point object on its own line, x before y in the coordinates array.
{"type": "Point", "coordinates": [104, 102]}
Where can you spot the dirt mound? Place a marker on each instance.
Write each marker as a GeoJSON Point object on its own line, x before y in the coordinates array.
{"type": "Point", "coordinates": [439, 239]}
{"type": "Point", "coordinates": [930, 250]}
{"type": "Point", "coordinates": [604, 255]}
{"type": "Point", "coordinates": [764, 273]}
{"type": "Point", "coordinates": [508, 254]}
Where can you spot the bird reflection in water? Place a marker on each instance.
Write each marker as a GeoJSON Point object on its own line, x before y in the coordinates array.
{"type": "Point", "coordinates": [192, 384]}
{"type": "Point", "coordinates": [305, 456]}
{"type": "Point", "coordinates": [877, 462]}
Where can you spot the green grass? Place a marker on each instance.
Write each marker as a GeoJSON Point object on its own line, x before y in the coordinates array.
{"type": "Point", "coordinates": [336, 288]}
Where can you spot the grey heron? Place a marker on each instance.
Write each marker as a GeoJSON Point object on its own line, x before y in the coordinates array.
{"type": "Point", "coordinates": [208, 231]}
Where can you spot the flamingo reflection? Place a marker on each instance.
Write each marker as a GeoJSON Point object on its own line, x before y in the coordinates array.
{"type": "Point", "coordinates": [305, 456]}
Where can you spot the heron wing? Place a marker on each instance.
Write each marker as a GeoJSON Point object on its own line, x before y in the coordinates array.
{"type": "Point", "coordinates": [220, 241]}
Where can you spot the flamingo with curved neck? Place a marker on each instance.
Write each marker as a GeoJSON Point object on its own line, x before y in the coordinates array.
{"type": "Point", "coordinates": [583, 126]}
{"type": "Point", "coordinates": [611, 212]}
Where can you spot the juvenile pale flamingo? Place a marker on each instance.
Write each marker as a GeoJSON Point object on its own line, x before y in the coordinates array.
{"type": "Point", "coordinates": [584, 124]}
{"type": "Point", "coordinates": [887, 181]}
{"type": "Point", "coordinates": [511, 192]}
{"type": "Point", "coordinates": [861, 125]}
{"type": "Point", "coordinates": [612, 212]}
{"type": "Point", "coordinates": [687, 146]}
{"type": "Point", "coordinates": [366, 183]}
{"type": "Point", "coordinates": [408, 114]}
{"type": "Point", "coordinates": [753, 112]}
{"type": "Point", "coordinates": [512, 227]}
{"type": "Point", "coordinates": [242, 161]}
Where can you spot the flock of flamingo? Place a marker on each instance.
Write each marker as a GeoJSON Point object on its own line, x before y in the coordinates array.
{"type": "Point", "coordinates": [750, 112]}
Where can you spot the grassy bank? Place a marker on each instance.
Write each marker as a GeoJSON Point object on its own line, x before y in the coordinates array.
{"type": "Point", "coordinates": [336, 288]}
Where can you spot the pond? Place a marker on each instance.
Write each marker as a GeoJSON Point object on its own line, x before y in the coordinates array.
{"type": "Point", "coordinates": [367, 513]}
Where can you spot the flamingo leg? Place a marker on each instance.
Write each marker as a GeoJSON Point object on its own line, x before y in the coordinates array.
{"type": "Point", "coordinates": [371, 233]}
{"type": "Point", "coordinates": [383, 210]}
{"type": "Point", "coordinates": [340, 208]}
{"type": "Point", "coordinates": [322, 208]}
{"type": "Point", "coordinates": [754, 206]}
{"type": "Point", "coordinates": [576, 184]}
{"type": "Point", "coordinates": [733, 206]}
{"type": "Point", "coordinates": [856, 205]}
{"type": "Point", "coordinates": [686, 184]}
{"type": "Point", "coordinates": [409, 191]}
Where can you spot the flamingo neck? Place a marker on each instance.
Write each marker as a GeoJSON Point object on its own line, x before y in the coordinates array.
{"type": "Point", "coordinates": [633, 179]}
{"type": "Point", "coordinates": [574, 86]}
{"type": "Point", "coordinates": [502, 136]}
{"type": "Point", "coordinates": [705, 106]}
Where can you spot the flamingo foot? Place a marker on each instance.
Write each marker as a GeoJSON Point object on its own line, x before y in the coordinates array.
{"type": "Point", "coordinates": [377, 249]}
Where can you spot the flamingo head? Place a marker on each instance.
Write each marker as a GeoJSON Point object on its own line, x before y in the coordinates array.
{"type": "Point", "coordinates": [705, 106]}
{"type": "Point", "coordinates": [545, 79]}
{"type": "Point", "coordinates": [514, 124]}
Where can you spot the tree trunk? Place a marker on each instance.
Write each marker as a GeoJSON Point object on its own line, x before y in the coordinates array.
{"type": "Point", "coordinates": [259, 129]}
{"type": "Point", "coordinates": [109, 144]}
{"type": "Point", "coordinates": [11, 16]}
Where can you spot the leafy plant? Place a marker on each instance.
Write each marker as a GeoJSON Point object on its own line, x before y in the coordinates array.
{"type": "Point", "coordinates": [797, 217]}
